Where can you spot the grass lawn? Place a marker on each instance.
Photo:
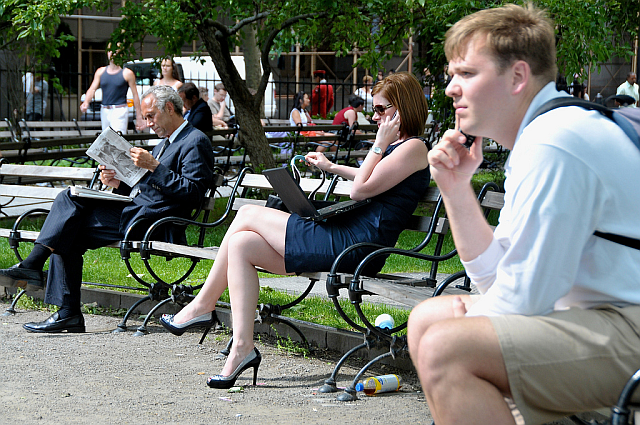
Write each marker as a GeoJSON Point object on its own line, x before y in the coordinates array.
{"type": "Point", "coordinates": [105, 266]}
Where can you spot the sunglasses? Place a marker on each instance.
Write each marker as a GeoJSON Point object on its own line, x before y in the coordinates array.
{"type": "Point", "coordinates": [381, 109]}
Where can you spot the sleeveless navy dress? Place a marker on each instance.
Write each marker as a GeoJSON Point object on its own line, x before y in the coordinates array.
{"type": "Point", "coordinates": [312, 247]}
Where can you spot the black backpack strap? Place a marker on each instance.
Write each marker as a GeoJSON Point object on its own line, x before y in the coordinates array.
{"type": "Point", "coordinates": [621, 121]}
{"type": "Point", "coordinates": [612, 114]}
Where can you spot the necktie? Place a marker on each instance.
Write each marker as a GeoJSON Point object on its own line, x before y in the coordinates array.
{"type": "Point", "coordinates": [135, 191]}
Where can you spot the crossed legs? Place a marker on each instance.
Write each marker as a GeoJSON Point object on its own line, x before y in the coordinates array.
{"type": "Point", "coordinates": [459, 363]}
{"type": "Point", "coordinates": [256, 238]}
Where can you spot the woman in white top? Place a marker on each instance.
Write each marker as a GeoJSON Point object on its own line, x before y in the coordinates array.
{"type": "Point", "coordinates": [365, 93]}
{"type": "Point", "coordinates": [170, 76]}
{"type": "Point", "coordinates": [299, 114]}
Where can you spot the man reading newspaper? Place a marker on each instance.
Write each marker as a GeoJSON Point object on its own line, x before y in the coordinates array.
{"type": "Point", "coordinates": [173, 184]}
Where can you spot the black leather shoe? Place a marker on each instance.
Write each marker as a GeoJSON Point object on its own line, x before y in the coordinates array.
{"type": "Point", "coordinates": [54, 324]}
{"type": "Point", "coordinates": [16, 276]}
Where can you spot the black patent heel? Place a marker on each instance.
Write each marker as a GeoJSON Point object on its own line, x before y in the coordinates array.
{"type": "Point", "coordinates": [225, 382]}
{"type": "Point", "coordinates": [255, 373]}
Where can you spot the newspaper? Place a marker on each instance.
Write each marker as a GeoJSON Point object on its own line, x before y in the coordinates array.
{"type": "Point", "coordinates": [86, 192]}
{"type": "Point", "coordinates": [112, 150]}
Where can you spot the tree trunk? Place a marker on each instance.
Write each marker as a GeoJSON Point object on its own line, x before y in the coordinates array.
{"type": "Point", "coordinates": [253, 68]}
{"type": "Point", "coordinates": [251, 132]}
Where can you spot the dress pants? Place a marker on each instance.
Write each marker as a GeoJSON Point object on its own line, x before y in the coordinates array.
{"type": "Point", "coordinates": [73, 226]}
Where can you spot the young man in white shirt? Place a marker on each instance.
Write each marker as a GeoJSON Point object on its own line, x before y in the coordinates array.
{"type": "Point", "coordinates": [556, 327]}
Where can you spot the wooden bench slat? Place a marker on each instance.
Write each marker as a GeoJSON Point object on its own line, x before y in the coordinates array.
{"type": "Point", "coordinates": [207, 253]}
{"type": "Point", "coordinates": [37, 192]}
{"type": "Point", "coordinates": [70, 173]}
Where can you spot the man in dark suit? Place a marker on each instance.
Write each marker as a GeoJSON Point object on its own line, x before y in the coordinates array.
{"type": "Point", "coordinates": [199, 113]}
{"type": "Point", "coordinates": [180, 170]}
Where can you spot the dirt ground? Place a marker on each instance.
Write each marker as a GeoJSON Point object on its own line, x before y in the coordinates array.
{"type": "Point", "coordinates": [100, 377]}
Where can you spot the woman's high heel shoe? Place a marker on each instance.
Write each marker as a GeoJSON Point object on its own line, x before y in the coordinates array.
{"type": "Point", "coordinates": [206, 321]}
{"type": "Point", "coordinates": [225, 382]}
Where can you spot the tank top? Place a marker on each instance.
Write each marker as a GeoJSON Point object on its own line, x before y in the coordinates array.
{"type": "Point", "coordinates": [339, 119]}
{"type": "Point", "coordinates": [114, 88]}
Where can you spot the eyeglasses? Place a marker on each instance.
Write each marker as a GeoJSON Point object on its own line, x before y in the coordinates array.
{"type": "Point", "coordinates": [381, 109]}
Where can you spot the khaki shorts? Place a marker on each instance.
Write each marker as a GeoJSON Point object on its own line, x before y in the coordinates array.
{"type": "Point", "coordinates": [569, 361]}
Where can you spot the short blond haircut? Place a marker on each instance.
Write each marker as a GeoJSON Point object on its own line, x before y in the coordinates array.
{"type": "Point", "coordinates": [511, 33]}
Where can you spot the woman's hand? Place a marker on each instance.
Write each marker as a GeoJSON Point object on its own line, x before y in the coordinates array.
{"type": "Point", "coordinates": [319, 160]}
{"type": "Point", "coordinates": [388, 131]}
{"type": "Point", "coordinates": [108, 177]}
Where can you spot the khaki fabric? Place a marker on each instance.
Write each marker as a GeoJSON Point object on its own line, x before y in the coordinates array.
{"type": "Point", "coordinates": [569, 361]}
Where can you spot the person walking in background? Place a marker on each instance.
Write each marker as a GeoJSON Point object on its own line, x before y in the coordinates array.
{"type": "Point", "coordinates": [365, 92]}
{"type": "Point", "coordinates": [37, 99]}
{"type": "Point", "coordinates": [114, 82]}
{"type": "Point", "coordinates": [630, 88]}
{"type": "Point", "coordinates": [169, 75]}
{"type": "Point", "coordinates": [322, 95]}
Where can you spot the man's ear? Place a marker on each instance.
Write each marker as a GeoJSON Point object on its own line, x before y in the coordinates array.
{"type": "Point", "coordinates": [168, 107]}
{"type": "Point", "coordinates": [521, 76]}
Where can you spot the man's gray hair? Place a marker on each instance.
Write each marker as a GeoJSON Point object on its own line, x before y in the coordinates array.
{"type": "Point", "coordinates": [164, 94]}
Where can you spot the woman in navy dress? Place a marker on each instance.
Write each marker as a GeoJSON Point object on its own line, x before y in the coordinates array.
{"type": "Point", "coordinates": [394, 175]}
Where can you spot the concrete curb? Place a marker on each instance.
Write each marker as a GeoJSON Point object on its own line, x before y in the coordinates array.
{"type": "Point", "coordinates": [322, 337]}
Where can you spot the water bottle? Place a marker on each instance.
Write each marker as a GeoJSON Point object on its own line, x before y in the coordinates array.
{"type": "Point", "coordinates": [380, 384]}
{"type": "Point", "coordinates": [385, 321]}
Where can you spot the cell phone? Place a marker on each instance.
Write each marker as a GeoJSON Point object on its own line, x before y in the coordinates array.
{"type": "Point", "coordinates": [469, 141]}
{"type": "Point", "coordinates": [394, 114]}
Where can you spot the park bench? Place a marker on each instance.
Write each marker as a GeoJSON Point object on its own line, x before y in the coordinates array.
{"type": "Point", "coordinates": [36, 200]}
{"type": "Point", "coordinates": [398, 287]}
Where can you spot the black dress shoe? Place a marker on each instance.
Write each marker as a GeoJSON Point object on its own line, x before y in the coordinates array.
{"type": "Point", "coordinates": [54, 324]}
{"type": "Point", "coordinates": [16, 276]}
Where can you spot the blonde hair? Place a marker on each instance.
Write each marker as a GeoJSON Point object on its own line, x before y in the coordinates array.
{"type": "Point", "coordinates": [367, 79]}
{"type": "Point", "coordinates": [511, 33]}
{"type": "Point", "coordinates": [404, 92]}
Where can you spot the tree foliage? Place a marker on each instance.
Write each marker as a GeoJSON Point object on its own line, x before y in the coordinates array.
{"type": "Point", "coordinates": [223, 24]}
{"type": "Point", "coordinates": [589, 32]}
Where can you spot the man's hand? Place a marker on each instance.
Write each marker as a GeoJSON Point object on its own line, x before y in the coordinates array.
{"type": "Point", "coordinates": [108, 177]}
{"type": "Point", "coordinates": [84, 106]}
{"type": "Point", "coordinates": [143, 159]}
{"type": "Point", "coordinates": [140, 124]}
{"type": "Point", "coordinates": [451, 163]}
{"type": "Point", "coordinates": [459, 307]}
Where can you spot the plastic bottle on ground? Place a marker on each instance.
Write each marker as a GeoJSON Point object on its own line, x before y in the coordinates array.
{"type": "Point", "coordinates": [380, 384]}
{"type": "Point", "coordinates": [385, 321]}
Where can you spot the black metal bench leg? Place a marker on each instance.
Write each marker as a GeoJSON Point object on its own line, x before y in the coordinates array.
{"type": "Point", "coordinates": [142, 329]}
{"type": "Point", "coordinates": [330, 383]}
{"type": "Point", "coordinates": [11, 310]}
{"type": "Point", "coordinates": [122, 326]}
{"type": "Point", "coordinates": [350, 392]}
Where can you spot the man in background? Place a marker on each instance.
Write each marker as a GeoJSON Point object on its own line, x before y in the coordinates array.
{"type": "Point", "coordinates": [114, 82]}
{"type": "Point", "coordinates": [219, 109]}
{"type": "Point", "coordinates": [199, 113]}
{"type": "Point", "coordinates": [630, 88]}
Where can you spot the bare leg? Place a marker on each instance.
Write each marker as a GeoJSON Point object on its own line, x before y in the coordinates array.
{"type": "Point", "coordinates": [459, 363]}
{"type": "Point", "coordinates": [246, 251]}
{"type": "Point", "coordinates": [264, 221]}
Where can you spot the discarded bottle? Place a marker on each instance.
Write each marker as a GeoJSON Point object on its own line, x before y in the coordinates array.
{"type": "Point", "coordinates": [385, 321]}
{"type": "Point", "coordinates": [380, 384]}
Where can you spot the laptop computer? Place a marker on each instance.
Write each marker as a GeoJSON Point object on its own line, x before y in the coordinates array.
{"type": "Point", "coordinates": [297, 202]}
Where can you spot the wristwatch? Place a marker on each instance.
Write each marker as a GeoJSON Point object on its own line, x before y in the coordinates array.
{"type": "Point", "coordinates": [377, 150]}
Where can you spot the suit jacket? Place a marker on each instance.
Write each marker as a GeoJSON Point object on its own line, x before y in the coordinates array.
{"type": "Point", "coordinates": [200, 116]}
{"type": "Point", "coordinates": [177, 185]}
